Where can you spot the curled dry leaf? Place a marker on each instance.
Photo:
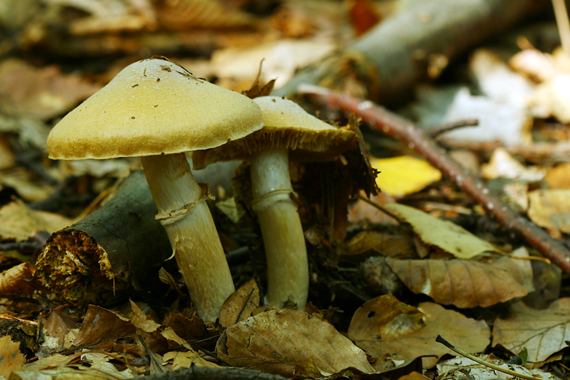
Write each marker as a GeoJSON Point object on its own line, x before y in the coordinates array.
{"type": "Point", "coordinates": [240, 305]}
{"type": "Point", "coordinates": [464, 283]}
{"type": "Point", "coordinates": [442, 234]}
{"type": "Point", "coordinates": [541, 332]}
{"type": "Point", "coordinates": [290, 343]}
{"type": "Point", "coordinates": [385, 327]}
{"type": "Point", "coordinates": [17, 281]}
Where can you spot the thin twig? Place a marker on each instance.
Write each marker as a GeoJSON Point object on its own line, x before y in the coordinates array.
{"type": "Point", "coordinates": [438, 131]}
{"type": "Point", "coordinates": [384, 121]}
{"type": "Point", "coordinates": [21, 246]}
{"type": "Point", "coordinates": [439, 339]}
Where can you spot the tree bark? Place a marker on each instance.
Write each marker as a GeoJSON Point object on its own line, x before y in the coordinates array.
{"type": "Point", "coordinates": [118, 248]}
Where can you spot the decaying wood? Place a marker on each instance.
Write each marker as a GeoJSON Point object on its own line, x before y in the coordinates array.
{"type": "Point", "coordinates": [384, 121]}
{"type": "Point", "coordinates": [384, 64]}
{"type": "Point", "coordinates": [117, 248]}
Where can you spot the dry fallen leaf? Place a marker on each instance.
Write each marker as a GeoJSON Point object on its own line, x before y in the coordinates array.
{"type": "Point", "coordinates": [11, 359]}
{"type": "Point", "coordinates": [541, 332]}
{"type": "Point", "coordinates": [550, 209]}
{"type": "Point", "coordinates": [551, 98]}
{"type": "Point", "coordinates": [19, 222]}
{"type": "Point", "coordinates": [186, 360]}
{"type": "Point", "coordinates": [142, 321]}
{"type": "Point", "coordinates": [503, 165]}
{"type": "Point", "coordinates": [464, 283]}
{"type": "Point", "coordinates": [240, 305]}
{"type": "Point", "coordinates": [17, 281]}
{"type": "Point", "coordinates": [559, 176]}
{"type": "Point", "coordinates": [41, 93]}
{"type": "Point", "coordinates": [414, 376]}
{"type": "Point", "coordinates": [534, 64]}
{"type": "Point", "coordinates": [385, 327]}
{"type": "Point", "coordinates": [57, 333]}
{"type": "Point", "coordinates": [442, 234]}
{"type": "Point", "coordinates": [201, 14]}
{"type": "Point", "coordinates": [392, 243]}
{"type": "Point", "coordinates": [101, 325]}
{"type": "Point", "coordinates": [290, 343]}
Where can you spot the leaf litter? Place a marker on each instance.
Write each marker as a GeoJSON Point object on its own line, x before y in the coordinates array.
{"type": "Point", "coordinates": [429, 261]}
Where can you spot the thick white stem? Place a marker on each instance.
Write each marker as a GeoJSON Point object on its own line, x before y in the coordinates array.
{"type": "Point", "coordinates": [191, 230]}
{"type": "Point", "coordinates": [287, 264]}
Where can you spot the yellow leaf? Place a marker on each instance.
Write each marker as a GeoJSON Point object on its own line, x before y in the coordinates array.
{"type": "Point", "coordinates": [404, 175]}
{"type": "Point", "coordinates": [442, 234]}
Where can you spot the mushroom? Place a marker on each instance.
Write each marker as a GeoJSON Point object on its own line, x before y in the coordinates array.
{"type": "Point", "coordinates": [289, 132]}
{"type": "Point", "coordinates": [156, 110]}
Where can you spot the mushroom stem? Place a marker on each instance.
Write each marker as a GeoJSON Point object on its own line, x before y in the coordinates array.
{"type": "Point", "coordinates": [191, 230]}
{"type": "Point", "coordinates": [285, 249]}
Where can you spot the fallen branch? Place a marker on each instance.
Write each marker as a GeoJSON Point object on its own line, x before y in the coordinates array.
{"type": "Point", "coordinates": [413, 44]}
{"type": "Point", "coordinates": [382, 120]}
{"type": "Point", "coordinates": [115, 249]}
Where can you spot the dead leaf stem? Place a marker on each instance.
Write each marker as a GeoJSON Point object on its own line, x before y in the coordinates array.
{"type": "Point", "coordinates": [384, 121]}
{"type": "Point", "coordinates": [439, 339]}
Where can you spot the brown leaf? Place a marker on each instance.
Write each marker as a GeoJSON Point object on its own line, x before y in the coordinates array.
{"type": "Point", "coordinates": [414, 376]}
{"type": "Point", "coordinates": [290, 343]}
{"type": "Point", "coordinates": [142, 321]}
{"type": "Point", "coordinates": [541, 332]}
{"type": "Point", "coordinates": [57, 332]}
{"type": "Point", "coordinates": [19, 222]}
{"type": "Point", "coordinates": [101, 325]}
{"type": "Point", "coordinates": [17, 280]}
{"type": "Point", "coordinates": [41, 93]}
{"type": "Point", "coordinates": [385, 327]}
{"type": "Point", "coordinates": [200, 14]}
{"type": "Point", "coordinates": [464, 283]}
{"type": "Point", "coordinates": [186, 325]}
{"type": "Point", "coordinates": [11, 359]}
{"type": "Point", "coordinates": [240, 305]}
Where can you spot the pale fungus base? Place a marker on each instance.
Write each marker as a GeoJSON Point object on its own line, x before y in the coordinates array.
{"type": "Point", "coordinates": [284, 241]}
{"type": "Point", "coordinates": [183, 212]}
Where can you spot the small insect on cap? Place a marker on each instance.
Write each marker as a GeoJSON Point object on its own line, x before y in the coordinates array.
{"type": "Point", "coordinates": [153, 107]}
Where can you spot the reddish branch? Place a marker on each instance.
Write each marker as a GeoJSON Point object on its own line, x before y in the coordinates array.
{"type": "Point", "coordinates": [393, 125]}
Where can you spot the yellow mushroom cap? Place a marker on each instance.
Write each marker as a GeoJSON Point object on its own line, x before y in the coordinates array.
{"type": "Point", "coordinates": [289, 126]}
{"type": "Point", "coordinates": [152, 107]}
